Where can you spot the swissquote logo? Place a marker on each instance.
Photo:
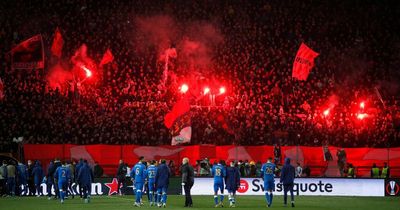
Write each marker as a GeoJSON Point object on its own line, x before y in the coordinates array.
{"type": "Point", "coordinates": [244, 186]}
{"type": "Point", "coordinates": [392, 187]}
{"type": "Point", "coordinates": [317, 186]}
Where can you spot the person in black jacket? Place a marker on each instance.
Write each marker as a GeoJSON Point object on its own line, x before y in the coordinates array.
{"type": "Point", "coordinates": [287, 179]}
{"type": "Point", "coordinates": [31, 185]}
{"type": "Point", "coordinates": [187, 172]}
{"type": "Point", "coordinates": [97, 170]}
{"type": "Point", "coordinates": [121, 174]}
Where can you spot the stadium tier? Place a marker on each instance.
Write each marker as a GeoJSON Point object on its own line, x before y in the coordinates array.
{"type": "Point", "coordinates": [238, 103]}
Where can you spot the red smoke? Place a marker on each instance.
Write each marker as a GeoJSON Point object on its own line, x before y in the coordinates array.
{"type": "Point", "coordinates": [195, 42]}
{"type": "Point", "coordinates": [158, 31]}
{"type": "Point", "coordinates": [58, 77]}
{"type": "Point", "coordinates": [80, 60]}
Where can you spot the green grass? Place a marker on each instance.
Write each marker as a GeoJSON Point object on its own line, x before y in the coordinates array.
{"type": "Point", "coordinates": [204, 202]}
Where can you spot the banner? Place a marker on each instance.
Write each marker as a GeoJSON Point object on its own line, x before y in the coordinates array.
{"type": "Point", "coordinates": [58, 42]}
{"type": "Point", "coordinates": [302, 186]}
{"type": "Point", "coordinates": [28, 54]}
{"type": "Point", "coordinates": [304, 62]}
{"type": "Point", "coordinates": [108, 156]}
{"type": "Point", "coordinates": [184, 135]}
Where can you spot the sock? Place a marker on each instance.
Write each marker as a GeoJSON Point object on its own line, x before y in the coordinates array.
{"type": "Point", "coordinates": [151, 196]}
{"type": "Point", "coordinates": [138, 195]}
{"type": "Point", "coordinates": [222, 198]}
{"type": "Point", "coordinates": [164, 198]}
{"type": "Point", "coordinates": [159, 198]}
{"type": "Point", "coordinates": [62, 195]}
{"type": "Point", "coordinates": [216, 199]}
{"type": "Point", "coordinates": [155, 197]}
{"type": "Point", "coordinates": [230, 199]}
{"type": "Point", "coordinates": [270, 198]}
{"type": "Point", "coordinates": [267, 197]}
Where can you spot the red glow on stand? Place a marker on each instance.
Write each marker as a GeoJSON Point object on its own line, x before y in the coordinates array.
{"type": "Point", "coordinates": [184, 88]}
{"type": "Point", "coordinates": [222, 90]}
{"type": "Point", "coordinates": [326, 112]}
{"type": "Point", "coordinates": [206, 90]}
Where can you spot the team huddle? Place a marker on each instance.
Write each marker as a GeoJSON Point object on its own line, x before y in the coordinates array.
{"type": "Point", "coordinates": [154, 178]}
{"type": "Point", "coordinates": [231, 176]}
{"type": "Point", "coordinates": [157, 179]}
{"type": "Point", "coordinates": [225, 177]}
{"type": "Point", "coordinates": [61, 176]}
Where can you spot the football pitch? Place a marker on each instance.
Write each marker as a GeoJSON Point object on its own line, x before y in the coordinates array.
{"type": "Point", "coordinates": [204, 202]}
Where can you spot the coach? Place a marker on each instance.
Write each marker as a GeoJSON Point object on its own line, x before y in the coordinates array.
{"type": "Point", "coordinates": [187, 180]}
{"type": "Point", "coordinates": [287, 179]}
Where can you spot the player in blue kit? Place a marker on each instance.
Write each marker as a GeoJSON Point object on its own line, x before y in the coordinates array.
{"type": "Point", "coordinates": [267, 173]}
{"type": "Point", "coordinates": [218, 171]}
{"type": "Point", "coordinates": [151, 176]}
{"type": "Point", "coordinates": [138, 175]}
{"type": "Point", "coordinates": [63, 177]}
{"type": "Point", "coordinates": [162, 182]}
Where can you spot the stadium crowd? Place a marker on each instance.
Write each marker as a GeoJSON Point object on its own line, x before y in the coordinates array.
{"type": "Point", "coordinates": [263, 104]}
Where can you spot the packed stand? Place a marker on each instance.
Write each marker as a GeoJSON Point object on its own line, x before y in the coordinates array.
{"type": "Point", "coordinates": [263, 105]}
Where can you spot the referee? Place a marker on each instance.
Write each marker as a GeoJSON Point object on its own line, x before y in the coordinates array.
{"type": "Point", "coordinates": [187, 180]}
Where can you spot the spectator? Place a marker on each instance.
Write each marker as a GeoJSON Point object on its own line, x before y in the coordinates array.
{"type": "Point", "coordinates": [306, 171]}
{"type": "Point", "coordinates": [121, 176]}
{"type": "Point", "coordinates": [385, 171]}
{"type": "Point", "coordinates": [299, 170]}
{"type": "Point", "coordinates": [172, 168]}
{"type": "Point", "coordinates": [264, 105]}
{"type": "Point", "coordinates": [374, 171]}
{"type": "Point", "coordinates": [277, 154]}
{"type": "Point", "coordinates": [11, 173]}
{"type": "Point", "coordinates": [3, 178]}
{"type": "Point", "coordinates": [31, 184]}
{"type": "Point", "coordinates": [97, 170]}
{"type": "Point", "coordinates": [341, 155]}
{"type": "Point", "coordinates": [351, 171]}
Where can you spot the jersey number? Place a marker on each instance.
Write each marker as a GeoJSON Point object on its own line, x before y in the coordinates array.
{"type": "Point", "coordinates": [137, 172]}
{"type": "Point", "coordinates": [152, 174]}
{"type": "Point", "coordinates": [217, 172]}
{"type": "Point", "coordinates": [268, 171]}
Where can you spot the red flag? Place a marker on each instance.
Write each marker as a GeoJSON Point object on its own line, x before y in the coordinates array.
{"type": "Point", "coordinates": [28, 54]}
{"type": "Point", "coordinates": [107, 57]}
{"type": "Point", "coordinates": [58, 43]}
{"type": "Point", "coordinates": [303, 62]}
{"type": "Point", "coordinates": [1, 89]}
{"type": "Point", "coordinates": [179, 109]}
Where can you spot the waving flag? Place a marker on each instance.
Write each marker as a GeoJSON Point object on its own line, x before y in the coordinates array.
{"type": "Point", "coordinates": [304, 62]}
{"type": "Point", "coordinates": [107, 57]}
{"type": "Point", "coordinates": [28, 54]}
{"type": "Point", "coordinates": [180, 108]}
{"type": "Point", "coordinates": [58, 42]}
{"type": "Point", "coordinates": [179, 122]}
{"type": "Point", "coordinates": [1, 89]}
